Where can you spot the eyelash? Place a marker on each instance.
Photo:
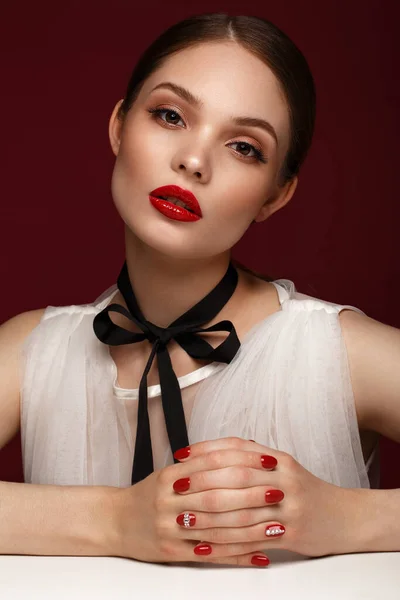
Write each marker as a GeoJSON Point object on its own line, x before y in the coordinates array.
{"type": "Point", "coordinates": [155, 112]}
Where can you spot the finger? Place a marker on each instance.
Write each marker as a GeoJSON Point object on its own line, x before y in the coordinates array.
{"type": "Point", "coordinates": [200, 448]}
{"type": "Point", "coordinates": [196, 520]}
{"type": "Point", "coordinates": [202, 549]}
{"type": "Point", "coordinates": [234, 476]}
{"type": "Point", "coordinates": [260, 533]}
{"type": "Point", "coordinates": [256, 559]}
{"type": "Point", "coordinates": [219, 459]}
{"type": "Point", "coordinates": [222, 500]}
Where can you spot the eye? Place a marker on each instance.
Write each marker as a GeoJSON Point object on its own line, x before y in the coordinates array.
{"type": "Point", "coordinates": [257, 153]}
{"type": "Point", "coordinates": [157, 112]}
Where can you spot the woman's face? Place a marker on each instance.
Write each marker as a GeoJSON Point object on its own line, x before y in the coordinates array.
{"type": "Point", "coordinates": [201, 149]}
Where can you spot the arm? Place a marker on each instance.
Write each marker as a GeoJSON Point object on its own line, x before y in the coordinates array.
{"type": "Point", "coordinates": [44, 519]}
{"type": "Point", "coordinates": [373, 350]}
{"type": "Point", "coordinates": [56, 520]}
{"type": "Point", "coordinates": [376, 523]}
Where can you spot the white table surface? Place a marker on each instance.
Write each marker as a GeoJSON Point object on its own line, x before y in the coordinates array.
{"type": "Point", "coordinates": [364, 576]}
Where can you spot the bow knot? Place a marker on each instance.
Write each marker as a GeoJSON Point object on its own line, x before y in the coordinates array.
{"type": "Point", "coordinates": [165, 337]}
{"type": "Point", "coordinates": [160, 334]}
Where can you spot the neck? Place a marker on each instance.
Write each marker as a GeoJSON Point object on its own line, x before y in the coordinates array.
{"type": "Point", "coordinates": [166, 288]}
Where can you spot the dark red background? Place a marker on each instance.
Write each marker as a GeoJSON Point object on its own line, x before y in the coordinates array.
{"type": "Point", "coordinates": [64, 66]}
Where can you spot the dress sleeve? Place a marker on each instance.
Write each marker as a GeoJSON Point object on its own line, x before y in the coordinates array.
{"type": "Point", "coordinates": [289, 388]}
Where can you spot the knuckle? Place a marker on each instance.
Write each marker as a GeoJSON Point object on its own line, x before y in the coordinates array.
{"type": "Point", "coordinates": [287, 460]}
{"type": "Point", "coordinates": [215, 459]}
{"type": "Point", "coordinates": [216, 535]}
{"type": "Point", "coordinates": [244, 560]}
{"type": "Point", "coordinates": [295, 513]}
{"type": "Point", "coordinates": [238, 548]}
{"type": "Point", "coordinates": [225, 560]}
{"type": "Point", "coordinates": [243, 518]}
{"type": "Point", "coordinates": [165, 475]}
{"type": "Point", "coordinates": [293, 485]}
{"type": "Point", "coordinates": [221, 560]}
{"type": "Point", "coordinates": [211, 501]}
{"type": "Point", "coordinates": [165, 546]}
{"type": "Point", "coordinates": [292, 540]}
{"type": "Point", "coordinates": [161, 527]}
{"type": "Point", "coordinates": [240, 475]}
{"type": "Point", "coordinates": [161, 503]}
{"type": "Point", "coordinates": [199, 481]}
{"type": "Point", "coordinates": [237, 442]}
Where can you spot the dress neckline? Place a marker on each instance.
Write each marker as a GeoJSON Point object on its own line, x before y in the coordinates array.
{"type": "Point", "coordinates": [194, 376]}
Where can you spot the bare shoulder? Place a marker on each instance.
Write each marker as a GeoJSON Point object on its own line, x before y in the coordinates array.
{"type": "Point", "coordinates": [21, 324]}
{"type": "Point", "coordinates": [373, 350]}
{"type": "Point", "coordinates": [12, 336]}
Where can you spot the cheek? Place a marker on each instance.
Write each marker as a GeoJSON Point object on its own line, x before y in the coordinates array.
{"type": "Point", "coordinates": [134, 169]}
{"type": "Point", "coordinates": [243, 195]}
{"type": "Point", "coordinates": [138, 152]}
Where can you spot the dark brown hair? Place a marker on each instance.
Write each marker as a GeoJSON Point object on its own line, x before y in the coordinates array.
{"type": "Point", "coordinates": [263, 39]}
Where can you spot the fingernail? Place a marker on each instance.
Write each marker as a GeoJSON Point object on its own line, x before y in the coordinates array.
{"type": "Point", "coordinates": [275, 530]}
{"type": "Point", "coordinates": [260, 560]}
{"type": "Point", "coordinates": [182, 485]}
{"type": "Point", "coordinates": [268, 462]}
{"type": "Point", "coordinates": [186, 520]}
{"type": "Point", "coordinates": [252, 440]}
{"type": "Point", "coordinates": [202, 549]}
{"type": "Point", "coordinates": [182, 453]}
{"type": "Point", "coordinates": [274, 496]}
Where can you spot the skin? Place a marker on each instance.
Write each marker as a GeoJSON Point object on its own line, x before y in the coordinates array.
{"type": "Point", "coordinates": [173, 264]}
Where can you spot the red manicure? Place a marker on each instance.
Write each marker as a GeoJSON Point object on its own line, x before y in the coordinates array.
{"type": "Point", "coordinates": [202, 549]}
{"type": "Point", "coordinates": [182, 485]}
{"type": "Point", "coordinates": [268, 462]}
{"type": "Point", "coordinates": [275, 530]}
{"type": "Point", "coordinates": [274, 496]}
{"type": "Point", "coordinates": [186, 520]}
{"type": "Point", "coordinates": [260, 560]}
{"type": "Point", "coordinates": [182, 453]}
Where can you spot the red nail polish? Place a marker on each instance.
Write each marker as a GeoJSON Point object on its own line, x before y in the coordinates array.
{"type": "Point", "coordinates": [182, 485]}
{"type": "Point", "coordinates": [260, 560]}
{"type": "Point", "coordinates": [186, 520]}
{"type": "Point", "coordinates": [182, 453]}
{"type": "Point", "coordinates": [274, 496]}
{"type": "Point", "coordinates": [275, 530]}
{"type": "Point", "coordinates": [202, 549]}
{"type": "Point", "coordinates": [268, 462]}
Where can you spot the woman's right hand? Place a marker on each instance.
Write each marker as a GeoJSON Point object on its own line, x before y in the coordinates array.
{"type": "Point", "coordinates": [148, 530]}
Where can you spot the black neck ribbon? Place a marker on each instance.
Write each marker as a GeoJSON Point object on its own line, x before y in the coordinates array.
{"type": "Point", "coordinates": [184, 331]}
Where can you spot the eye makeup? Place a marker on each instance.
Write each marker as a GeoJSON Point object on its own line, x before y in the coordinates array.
{"type": "Point", "coordinates": [159, 112]}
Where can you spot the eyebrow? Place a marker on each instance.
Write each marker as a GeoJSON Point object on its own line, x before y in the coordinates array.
{"type": "Point", "coordinates": [195, 101]}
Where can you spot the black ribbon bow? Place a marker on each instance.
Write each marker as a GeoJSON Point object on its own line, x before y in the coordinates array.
{"type": "Point", "coordinates": [184, 331]}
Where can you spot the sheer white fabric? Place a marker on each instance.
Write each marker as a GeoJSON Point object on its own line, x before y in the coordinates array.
{"type": "Point", "coordinates": [288, 388]}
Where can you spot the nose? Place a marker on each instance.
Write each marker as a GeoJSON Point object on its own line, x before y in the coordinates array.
{"type": "Point", "coordinates": [195, 173]}
{"type": "Point", "coordinates": [193, 162]}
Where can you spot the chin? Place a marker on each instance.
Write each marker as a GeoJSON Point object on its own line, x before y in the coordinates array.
{"type": "Point", "coordinates": [169, 245]}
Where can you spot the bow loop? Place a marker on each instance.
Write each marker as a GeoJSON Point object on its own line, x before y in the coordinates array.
{"type": "Point", "coordinates": [110, 333]}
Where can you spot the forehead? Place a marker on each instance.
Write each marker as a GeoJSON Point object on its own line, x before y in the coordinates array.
{"type": "Point", "coordinates": [229, 80]}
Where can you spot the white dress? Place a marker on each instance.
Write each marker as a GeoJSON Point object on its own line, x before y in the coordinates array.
{"type": "Point", "coordinates": [288, 388]}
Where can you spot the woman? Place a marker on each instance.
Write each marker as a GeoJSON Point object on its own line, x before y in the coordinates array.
{"type": "Point", "coordinates": [217, 119]}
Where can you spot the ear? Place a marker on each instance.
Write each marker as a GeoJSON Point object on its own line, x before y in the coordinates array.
{"type": "Point", "coordinates": [115, 128]}
{"type": "Point", "coordinates": [278, 200]}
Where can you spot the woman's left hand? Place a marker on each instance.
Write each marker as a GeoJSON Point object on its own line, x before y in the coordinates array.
{"type": "Point", "coordinates": [318, 518]}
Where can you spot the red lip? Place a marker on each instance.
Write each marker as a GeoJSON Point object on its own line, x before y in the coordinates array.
{"type": "Point", "coordinates": [177, 192]}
